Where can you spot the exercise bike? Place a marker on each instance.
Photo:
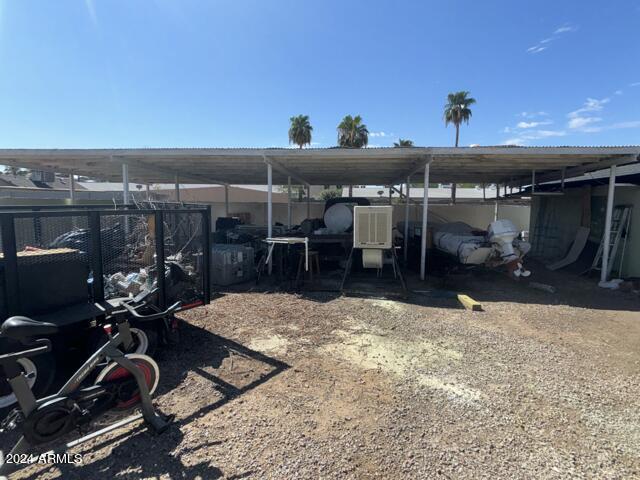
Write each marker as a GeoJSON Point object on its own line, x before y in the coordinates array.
{"type": "Point", "coordinates": [123, 381]}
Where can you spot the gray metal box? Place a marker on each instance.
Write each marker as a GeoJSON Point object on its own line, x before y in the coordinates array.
{"type": "Point", "coordinates": [231, 264]}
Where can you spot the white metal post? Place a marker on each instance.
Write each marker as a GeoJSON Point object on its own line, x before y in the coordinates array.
{"type": "Point", "coordinates": [177, 187]}
{"type": "Point", "coordinates": [407, 198]}
{"type": "Point", "coordinates": [269, 207]}
{"type": "Point", "coordinates": [72, 187]}
{"type": "Point", "coordinates": [289, 202]}
{"type": "Point", "coordinates": [308, 201]}
{"type": "Point", "coordinates": [125, 194]}
{"type": "Point", "coordinates": [148, 193]}
{"type": "Point", "coordinates": [607, 225]}
{"type": "Point", "coordinates": [125, 183]}
{"type": "Point", "coordinates": [495, 211]}
{"type": "Point", "coordinates": [425, 210]}
{"type": "Point", "coordinates": [226, 200]}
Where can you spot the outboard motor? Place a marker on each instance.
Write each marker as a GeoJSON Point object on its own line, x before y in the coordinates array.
{"type": "Point", "coordinates": [501, 234]}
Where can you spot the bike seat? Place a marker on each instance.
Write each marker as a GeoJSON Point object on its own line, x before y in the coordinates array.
{"type": "Point", "coordinates": [22, 328]}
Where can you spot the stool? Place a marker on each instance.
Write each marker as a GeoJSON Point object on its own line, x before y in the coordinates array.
{"type": "Point", "coordinates": [314, 258]}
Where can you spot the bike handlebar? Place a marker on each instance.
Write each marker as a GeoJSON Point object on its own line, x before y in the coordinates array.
{"type": "Point", "coordinates": [154, 316]}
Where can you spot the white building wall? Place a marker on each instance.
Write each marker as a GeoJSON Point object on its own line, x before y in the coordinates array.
{"type": "Point", "coordinates": [476, 215]}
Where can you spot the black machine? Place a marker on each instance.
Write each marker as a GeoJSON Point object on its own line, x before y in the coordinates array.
{"type": "Point", "coordinates": [109, 381]}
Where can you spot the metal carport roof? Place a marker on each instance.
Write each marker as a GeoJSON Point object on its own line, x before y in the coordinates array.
{"type": "Point", "coordinates": [324, 166]}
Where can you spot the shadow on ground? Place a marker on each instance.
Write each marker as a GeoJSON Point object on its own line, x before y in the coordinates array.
{"type": "Point", "coordinates": [439, 290]}
{"type": "Point", "coordinates": [139, 453]}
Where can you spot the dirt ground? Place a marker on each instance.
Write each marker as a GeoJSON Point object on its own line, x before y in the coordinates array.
{"type": "Point", "coordinates": [278, 385]}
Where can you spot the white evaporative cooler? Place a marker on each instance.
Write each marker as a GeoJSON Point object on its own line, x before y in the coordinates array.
{"type": "Point", "coordinates": [372, 233]}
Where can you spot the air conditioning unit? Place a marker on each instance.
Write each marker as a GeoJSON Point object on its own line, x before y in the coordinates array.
{"type": "Point", "coordinates": [372, 227]}
{"type": "Point", "coordinates": [372, 232]}
{"type": "Point", "coordinates": [40, 176]}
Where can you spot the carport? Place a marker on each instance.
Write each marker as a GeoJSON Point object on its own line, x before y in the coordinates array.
{"type": "Point", "coordinates": [507, 167]}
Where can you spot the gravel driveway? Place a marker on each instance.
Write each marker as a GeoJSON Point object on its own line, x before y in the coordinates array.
{"type": "Point", "coordinates": [276, 385]}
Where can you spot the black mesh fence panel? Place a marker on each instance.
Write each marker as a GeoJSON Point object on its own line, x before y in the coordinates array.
{"type": "Point", "coordinates": [68, 257]}
{"type": "Point", "coordinates": [53, 260]}
{"type": "Point", "coordinates": [128, 253]}
{"type": "Point", "coordinates": [183, 253]}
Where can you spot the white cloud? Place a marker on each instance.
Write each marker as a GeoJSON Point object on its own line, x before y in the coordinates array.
{"type": "Point", "coordinates": [532, 124]}
{"type": "Point", "coordinates": [577, 123]}
{"type": "Point", "coordinates": [377, 134]}
{"type": "Point", "coordinates": [618, 92]}
{"type": "Point", "coordinates": [634, 84]}
{"type": "Point", "coordinates": [536, 49]}
{"type": "Point", "coordinates": [613, 126]}
{"type": "Point", "coordinates": [514, 141]}
{"type": "Point", "coordinates": [591, 105]}
{"type": "Point", "coordinates": [532, 114]}
{"type": "Point", "coordinates": [565, 29]}
{"type": "Point", "coordinates": [549, 133]}
{"type": "Point", "coordinates": [543, 44]}
{"type": "Point", "coordinates": [632, 124]}
{"type": "Point", "coordinates": [91, 10]}
{"type": "Point", "coordinates": [525, 137]}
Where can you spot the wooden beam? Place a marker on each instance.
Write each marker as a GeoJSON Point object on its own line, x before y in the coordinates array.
{"type": "Point", "coordinates": [469, 303]}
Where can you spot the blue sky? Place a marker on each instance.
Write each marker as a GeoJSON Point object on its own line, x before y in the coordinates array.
{"type": "Point", "coordinates": [165, 73]}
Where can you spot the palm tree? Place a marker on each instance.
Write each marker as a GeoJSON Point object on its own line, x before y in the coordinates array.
{"type": "Point", "coordinates": [352, 133]}
{"type": "Point", "coordinates": [457, 111]}
{"type": "Point", "coordinates": [403, 143]}
{"type": "Point", "coordinates": [300, 130]}
{"type": "Point", "coordinates": [11, 170]}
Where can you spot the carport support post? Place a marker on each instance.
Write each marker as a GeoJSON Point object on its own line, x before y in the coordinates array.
{"type": "Point", "coordinates": [308, 201]}
{"type": "Point", "coordinates": [177, 180]}
{"type": "Point", "coordinates": [72, 187]}
{"type": "Point", "coordinates": [125, 194]}
{"type": "Point", "coordinates": [607, 225]}
{"type": "Point", "coordinates": [270, 207]}
{"type": "Point", "coordinates": [484, 192]}
{"type": "Point", "coordinates": [350, 190]}
{"type": "Point", "coordinates": [226, 200]}
{"type": "Point", "coordinates": [425, 214]}
{"type": "Point", "coordinates": [125, 183]}
{"type": "Point", "coordinates": [533, 182]}
{"type": "Point", "coordinates": [407, 197]}
{"type": "Point", "coordinates": [289, 202]}
{"type": "Point", "coordinates": [390, 193]}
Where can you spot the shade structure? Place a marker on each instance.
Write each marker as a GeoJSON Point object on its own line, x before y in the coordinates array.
{"type": "Point", "coordinates": [324, 166]}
